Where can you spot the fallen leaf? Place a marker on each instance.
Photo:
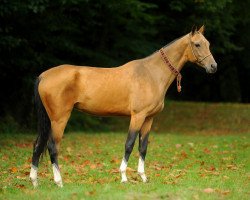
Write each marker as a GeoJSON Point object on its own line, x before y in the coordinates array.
{"type": "Point", "coordinates": [233, 167]}
{"type": "Point", "coordinates": [90, 193]}
{"type": "Point", "coordinates": [26, 173]}
{"type": "Point", "coordinates": [85, 163]}
{"type": "Point", "coordinates": [184, 154]}
{"type": "Point", "coordinates": [21, 186]}
{"type": "Point", "coordinates": [20, 177]}
{"type": "Point", "coordinates": [225, 192]}
{"type": "Point", "coordinates": [114, 171]}
{"type": "Point", "coordinates": [208, 190]}
{"type": "Point", "coordinates": [93, 166]}
{"type": "Point", "coordinates": [211, 168]}
{"type": "Point", "coordinates": [130, 169]}
{"type": "Point", "coordinates": [207, 151]}
{"type": "Point", "coordinates": [178, 146]}
{"type": "Point", "coordinates": [115, 161]}
{"type": "Point", "coordinates": [13, 170]}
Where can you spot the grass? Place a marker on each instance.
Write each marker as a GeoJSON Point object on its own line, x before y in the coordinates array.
{"type": "Point", "coordinates": [178, 167]}
{"type": "Point", "coordinates": [196, 151]}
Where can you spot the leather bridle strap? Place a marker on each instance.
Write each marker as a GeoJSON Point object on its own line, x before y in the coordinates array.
{"type": "Point", "coordinates": [172, 69]}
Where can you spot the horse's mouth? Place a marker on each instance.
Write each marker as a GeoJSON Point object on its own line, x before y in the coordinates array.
{"type": "Point", "coordinates": [211, 70]}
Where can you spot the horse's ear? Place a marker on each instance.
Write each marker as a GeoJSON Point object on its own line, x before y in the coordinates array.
{"type": "Point", "coordinates": [194, 29]}
{"type": "Point", "coordinates": [202, 29]}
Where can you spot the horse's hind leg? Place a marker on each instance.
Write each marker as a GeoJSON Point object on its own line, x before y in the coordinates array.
{"type": "Point", "coordinates": [37, 151]}
{"type": "Point", "coordinates": [135, 125]}
{"type": "Point", "coordinates": [57, 128]}
{"type": "Point", "coordinates": [143, 143]}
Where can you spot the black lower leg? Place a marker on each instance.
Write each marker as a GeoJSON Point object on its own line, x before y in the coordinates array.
{"type": "Point", "coordinates": [143, 144]}
{"type": "Point", "coordinates": [130, 143]}
{"type": "Point", "coordinates": [53, 152]}
{"type": "Point", "coordinates": [37, 151]}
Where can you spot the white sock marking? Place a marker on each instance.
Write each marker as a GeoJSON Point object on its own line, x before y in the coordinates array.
{"type": "Point", "coordinates": [141, 165]}
{"type": "Point", "coordinates": [141, 171]}
{"type": "Point", "coordinates": [123, 168]}
{"type": "Point", "coordinates": [33, 175]}
{"type": "Point", "coordinates": [57, 175]}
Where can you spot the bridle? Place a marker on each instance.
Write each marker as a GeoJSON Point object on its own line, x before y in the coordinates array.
{"type": "Point", "coordinates": [174, 70]}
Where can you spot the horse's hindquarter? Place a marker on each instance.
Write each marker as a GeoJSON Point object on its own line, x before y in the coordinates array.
{"type": "Point", "coordinates": [104, 91]}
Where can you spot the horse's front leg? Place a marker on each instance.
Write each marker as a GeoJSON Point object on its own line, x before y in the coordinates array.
{"type": "Point", "coordinates": [143, 143]}
{"type": "Point", "coordinates": [135, 125]}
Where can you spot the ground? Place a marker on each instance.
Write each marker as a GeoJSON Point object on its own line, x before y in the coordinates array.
{"type": "Point", "coordinates": [195, 161]}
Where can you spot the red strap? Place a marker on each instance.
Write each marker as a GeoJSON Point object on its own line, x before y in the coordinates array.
{"type": "Point", "coordinates": [172, 69]}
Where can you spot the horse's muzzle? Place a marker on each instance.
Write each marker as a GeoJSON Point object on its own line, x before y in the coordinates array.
{"type": "Point", "coordinates": [212, 69]}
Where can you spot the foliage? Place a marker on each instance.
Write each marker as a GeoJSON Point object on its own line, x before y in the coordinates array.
{"type": "Point", "coordinates": [178, 167]}
{"type": "Point", "coordinates": [37, 35]}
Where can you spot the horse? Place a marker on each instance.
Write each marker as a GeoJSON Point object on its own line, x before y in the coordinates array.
{"type": "Point", "coordinates": [136, 89]}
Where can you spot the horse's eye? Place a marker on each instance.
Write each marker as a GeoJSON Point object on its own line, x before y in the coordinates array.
{"type": "Point", "coordinates": [197, 45]}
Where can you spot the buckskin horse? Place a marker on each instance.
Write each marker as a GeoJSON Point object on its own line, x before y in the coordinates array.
{"type": "Point", "coordinates": [136, 89]}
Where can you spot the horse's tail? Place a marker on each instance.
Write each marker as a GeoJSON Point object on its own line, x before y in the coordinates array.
{"type": "Point", "coordinates": [43, 125]}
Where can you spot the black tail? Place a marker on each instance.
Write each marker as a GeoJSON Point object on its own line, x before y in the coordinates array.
{"type": "Point", "coordinates": [44, 127]}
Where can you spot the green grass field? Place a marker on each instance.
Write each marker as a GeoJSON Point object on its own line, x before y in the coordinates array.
{"type": "Point", "coordinates": [200, 156]}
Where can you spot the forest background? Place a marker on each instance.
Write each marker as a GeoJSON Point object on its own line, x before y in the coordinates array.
{"type": "Point", "coordinates": [38, 35]}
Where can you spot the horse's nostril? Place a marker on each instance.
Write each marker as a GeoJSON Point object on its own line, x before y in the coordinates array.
{"type": "Point", "coordinates": [213, 66]}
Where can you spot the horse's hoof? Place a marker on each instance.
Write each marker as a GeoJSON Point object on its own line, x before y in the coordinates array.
{"type": "Point", "coordinates": [143, 177]}
{"type": "Point", "coordinates": [124, 181]}
{"type": "Point", "coordinates": [59, 184]}
{"type": "Point", "coordinates": [145, 180]}
{"type": "Point", "coordinates": [34, 182]}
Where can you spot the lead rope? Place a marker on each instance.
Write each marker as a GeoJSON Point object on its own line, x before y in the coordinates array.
{"type": "Point", "coordinates": [179, 76]}
{"type": "Point", "coordinates": [172, 69]}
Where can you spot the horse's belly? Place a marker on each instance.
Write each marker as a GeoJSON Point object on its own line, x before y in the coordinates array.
{"type": "Point", "coordinates": [104, 103]}
{"type": "Point", "coordinates": [103, 109]}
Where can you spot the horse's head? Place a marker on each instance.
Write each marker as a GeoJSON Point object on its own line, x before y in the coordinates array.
{"type": "Point", "coordinates": [199, 51]}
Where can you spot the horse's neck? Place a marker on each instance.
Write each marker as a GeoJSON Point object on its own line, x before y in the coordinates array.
{"type": "Point", "coordinates": [160, 70]}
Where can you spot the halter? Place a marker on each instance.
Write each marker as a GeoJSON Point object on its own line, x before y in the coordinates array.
{"type": "Point", "coordinates": [196, 57]}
